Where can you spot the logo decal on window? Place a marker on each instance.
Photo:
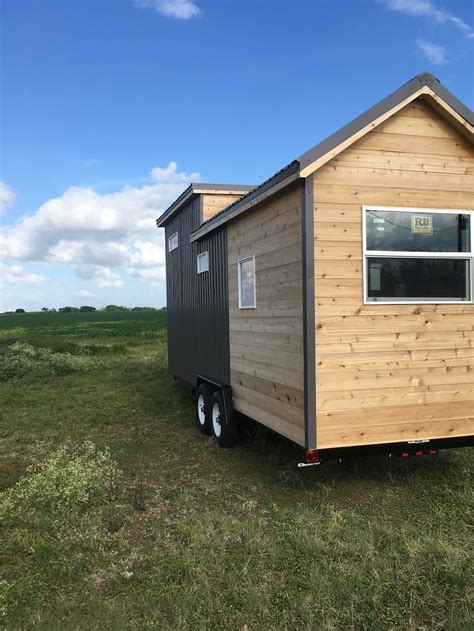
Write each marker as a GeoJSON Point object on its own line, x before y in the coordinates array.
{"type": "Point", "coordinates": [422, 224]}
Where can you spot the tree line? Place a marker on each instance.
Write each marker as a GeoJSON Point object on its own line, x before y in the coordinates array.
{"type": "Point", "coordinates": [89, 309]}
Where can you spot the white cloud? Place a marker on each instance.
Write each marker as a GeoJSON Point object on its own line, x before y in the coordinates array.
{"type": "Point", "coordinates": [16, 274]}
{"type": "Point", "coordinates": [147, 254]}
{"type": "Point", "coordinates": [180, 9]}
{"type": "Point", "coordinates": [97, 233]}
{"type": "Point", "coordinates": [83, 293]}
{"type": "Point", "coordinates": [426, 8]}
{"type": "Point", "coordinates": [154, 275]}
{"type": "Point", "coordinates": [68, 251]}
{"type": "Point", "coordinates": [434, 53]}
{"type": "Point", "coordinates": [7, 196]}
{"type": "Point", "coordinates": [104, 277]}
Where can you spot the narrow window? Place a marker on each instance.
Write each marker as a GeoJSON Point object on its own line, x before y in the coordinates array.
{"type": "Point", "coordinates": [418, 255]}
{"type": "Point", "coordinates": [203, 262]}
{"type": "Point", "coordinates": [173, 242]}
{"type": "Point", "coordinates": [246, 270]}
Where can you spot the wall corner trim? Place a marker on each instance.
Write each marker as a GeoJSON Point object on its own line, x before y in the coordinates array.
{"type": "Point", "coordinates": [309, 315]}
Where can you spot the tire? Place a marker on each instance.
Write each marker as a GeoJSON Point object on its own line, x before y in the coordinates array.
{"type": "Point", "coordinates": [225, 430]}
{"type": "Point", "coordinates": [203, 408]}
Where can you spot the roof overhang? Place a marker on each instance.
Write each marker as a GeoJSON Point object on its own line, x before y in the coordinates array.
{"type": "Point", "coordinates": [424, 85]}
{"type": "Point", "coordinates": [201, 189]}
{"type": "Point", "coordinates": [278, 181]}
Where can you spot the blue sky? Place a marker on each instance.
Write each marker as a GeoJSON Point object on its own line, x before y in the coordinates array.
{"type": "Point", "coordinates": [111, 107]}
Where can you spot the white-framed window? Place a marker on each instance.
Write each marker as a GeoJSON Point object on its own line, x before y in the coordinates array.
{"type": "Point", "coordinates": [417, 255]}
{"type": "Point", "coordinates": [247, 290]}
{"type": "Point", "coordinates": [203, 262]}
{"type": "Point", "coordinates": [173, 242]}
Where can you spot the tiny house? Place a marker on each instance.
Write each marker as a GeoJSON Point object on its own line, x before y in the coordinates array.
{"type": "Point", "coordinates": [334, 302]}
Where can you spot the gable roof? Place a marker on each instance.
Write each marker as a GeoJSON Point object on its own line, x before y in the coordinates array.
{"type": "Point", "coordinates": [425, 84]}
{"type": "Point", "coordinates": [200, 189]}
{"type": "Point", "coordinates": [422, 84]}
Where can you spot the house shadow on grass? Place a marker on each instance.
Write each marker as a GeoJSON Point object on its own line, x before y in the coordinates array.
{"type": "Point", "coordinates": [265, 458]}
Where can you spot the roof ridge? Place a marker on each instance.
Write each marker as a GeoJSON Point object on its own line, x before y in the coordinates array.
{"type": "Point", "coordinates": [196, 188]}
{"type": "Point", "coordinates": [382, 106]}
{"type": "Point", "coordinates": [407, 90]}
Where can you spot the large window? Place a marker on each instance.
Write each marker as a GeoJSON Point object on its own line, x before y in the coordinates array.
{"type": "Point", "coordinates": [418, 255]}
{"type": "Point", "coordinates": [246, 271]}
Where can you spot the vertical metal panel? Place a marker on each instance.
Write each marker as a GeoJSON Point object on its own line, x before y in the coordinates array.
{"type": "Point", "coordinates": [212, 312]}
{"type": "Point", "coordinates": [198, 309]}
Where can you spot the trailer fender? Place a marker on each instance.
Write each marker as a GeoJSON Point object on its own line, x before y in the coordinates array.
{"type": "Point", "coordinates": [226, 389]}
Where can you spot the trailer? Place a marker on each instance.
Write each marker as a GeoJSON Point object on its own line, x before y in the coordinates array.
{"type": "Point", "coordinates": [334, 302]}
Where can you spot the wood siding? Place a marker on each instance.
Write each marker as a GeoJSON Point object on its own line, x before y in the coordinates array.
{"type": "Point", "coordinates": [213, 204]}
{"type": "Point", "coordinates": [266, 343]}
{"type": "Point", "coordinates": [388, 373]}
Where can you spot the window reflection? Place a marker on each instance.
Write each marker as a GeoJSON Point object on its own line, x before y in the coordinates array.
{"type": "Point", "coordinates": [417, 231]}
{"type": "Point", "coordinates": [247, 283]}
{"type": "Point", "coordinates": [420, 278]}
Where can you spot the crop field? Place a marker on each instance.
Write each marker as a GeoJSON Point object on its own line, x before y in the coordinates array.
{"type": "Point", "coordinates": [117, 514]}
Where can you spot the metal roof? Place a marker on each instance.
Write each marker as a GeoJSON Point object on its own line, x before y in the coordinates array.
{"type": "Point", "coordinates": [292, 170]}
{"type": "Point", "coordinates": [382, 107]}
{"type": "Point", "coordinates": [242, 203]}
{"type": "Point", "coordinates": [196, 189]}
{"type": "Point", "coordinates": [330, 143]}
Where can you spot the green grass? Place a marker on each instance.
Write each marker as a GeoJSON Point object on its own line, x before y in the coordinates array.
{"type": "Point", "coordinates": [234, 539]}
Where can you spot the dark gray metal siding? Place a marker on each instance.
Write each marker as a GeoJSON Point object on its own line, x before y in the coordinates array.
{"type": "Point", "coordinates": [197, 304]}
{"type": "Point", "coordinates": [309, 314]}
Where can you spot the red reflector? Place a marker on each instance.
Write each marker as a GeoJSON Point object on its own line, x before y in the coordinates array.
{"type": "Point", "coordinates": [419, 453]}
{"type": "Point", "coordinates": [433, 452]}
{"type": "Point", "coordinates": [405, 454]}
{"type": "Point", "coordinates": [312, 455]}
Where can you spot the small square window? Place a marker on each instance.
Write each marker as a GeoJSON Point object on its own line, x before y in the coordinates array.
{"type": "Point", "coordinates": [246, 271]}
{"type": "Point", "coordinates": [203, 262]}
{"type": "Point", "coordinates": [173, 242]}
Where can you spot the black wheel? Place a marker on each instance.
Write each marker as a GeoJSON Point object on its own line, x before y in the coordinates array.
{"type": "Point", "coordinates": [224, 426]}
{"type": "Point", "coordinates": [203, 408]}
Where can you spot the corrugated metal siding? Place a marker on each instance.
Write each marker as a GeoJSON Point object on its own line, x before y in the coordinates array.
{"type": "Point", "coordinates": [198, 309]}
{"type": "Point", "coordinates": [212, 312]}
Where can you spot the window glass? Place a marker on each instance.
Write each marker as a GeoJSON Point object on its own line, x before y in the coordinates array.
{"type": "Point", "coordinates": [417, 278]}
{"type": "Point", "coordinates": [247, 283]}
{"type": "Point", "coordinates": [173, 242]}
{"type": "Point", "coordinates": [203, 262]}
{"type": "Point", "coordinates": [402, 231]}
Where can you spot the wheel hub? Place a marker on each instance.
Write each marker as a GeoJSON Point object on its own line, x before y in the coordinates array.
{"type": "Point", "coordinates": [216, 420]}
{"type": "Point", "coordinates": [201, 412]}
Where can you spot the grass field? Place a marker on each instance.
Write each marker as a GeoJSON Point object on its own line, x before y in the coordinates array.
{"type": "Point", "coordinates": [190, 536]}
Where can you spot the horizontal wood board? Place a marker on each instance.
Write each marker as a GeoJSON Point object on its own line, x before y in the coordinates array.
{"type": "Point", "coordinates": [266, 343]}
{"type": "Point", "coordinates": [214, 203]}
{"type": "Point", "coordinates": [388, 373]}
